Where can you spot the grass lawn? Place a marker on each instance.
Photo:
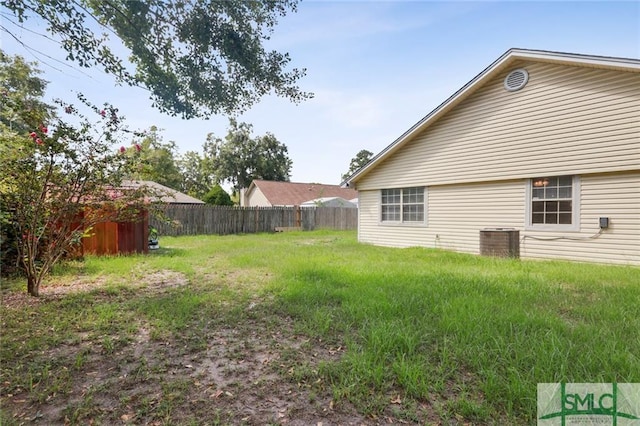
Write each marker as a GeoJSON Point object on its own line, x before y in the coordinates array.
{"type": "Point", "coordinates": [301, 328]}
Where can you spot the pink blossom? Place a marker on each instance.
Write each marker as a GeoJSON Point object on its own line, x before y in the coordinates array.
{"type": "Point", "coordinates": [39, 141]}
{"type": "Point", "coordinates": [123, 149]}
{"type": "Point", "coordinates": [68, 110]}
{"type": "Point", "coordinates": [138, 147]}
{"type": "Point", "coordinates": [43, 129]}
{"type": "Point", "coordinates": [33, 134]}
{"type": "Point", "coordinates": [103, 113]}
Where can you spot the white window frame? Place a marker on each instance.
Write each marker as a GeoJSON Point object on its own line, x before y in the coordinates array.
{"type": "Point", "coordinates": [402, 204]}
{"type": "Point", "coordinates": [575, 207]}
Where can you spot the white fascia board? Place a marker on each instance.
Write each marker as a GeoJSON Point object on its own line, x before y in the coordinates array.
{"type": "Point", "coordinates": [506, 58]}
{"type": "Point", "coordinates": [622, 64]}
{"type": "Point", "coordinates": [432, 116]}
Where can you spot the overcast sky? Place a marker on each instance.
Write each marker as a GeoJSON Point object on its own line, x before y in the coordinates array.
{"type": "Point", "coordinates": [376, 68]}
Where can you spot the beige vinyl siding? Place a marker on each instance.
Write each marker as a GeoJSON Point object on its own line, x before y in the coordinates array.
{"type": "Point", "coordinates": [257, 199]}
{"type": "Point", "coordinates": [566, 120]}
{"type": "Point", "coordinates": [457, 213]}
{"type": "Point", "coordinates": [371, 231]}
{"type": "Point", "coordinates": [616, 196]}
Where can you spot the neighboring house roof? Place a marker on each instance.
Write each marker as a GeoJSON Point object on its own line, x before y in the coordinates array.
{"type": "Point", "coordinates": [294, 194]}
{"type": "Point", "coordinates": [170, 196]}
{"type": "Point", "coordinates": [330, 202]}
{"type": "Point", "coordinates": [503, 62]}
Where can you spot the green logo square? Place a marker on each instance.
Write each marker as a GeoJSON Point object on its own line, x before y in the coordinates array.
{"type": "Point", "coordinates": [616, 404]}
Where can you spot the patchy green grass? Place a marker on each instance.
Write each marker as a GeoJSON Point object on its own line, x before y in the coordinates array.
{"type": "Point", "coordinates": [475, 333]}
{"type": "Point", "coordinates": [414, 334]}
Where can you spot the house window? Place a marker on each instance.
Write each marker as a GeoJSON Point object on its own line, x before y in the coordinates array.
{"type": "Point", "coordinates": [404, 205]}
{"type": "Point", "coordinates": [553, 202]}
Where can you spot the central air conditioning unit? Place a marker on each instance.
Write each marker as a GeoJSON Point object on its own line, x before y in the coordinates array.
{"type": "Point", "coordinates": [500, 242]}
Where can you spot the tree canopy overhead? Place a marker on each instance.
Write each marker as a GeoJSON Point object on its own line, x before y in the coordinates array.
{"type": "Point", "coordinates": [196, 57]}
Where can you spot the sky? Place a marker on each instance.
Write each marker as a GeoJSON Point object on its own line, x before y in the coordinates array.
{"type": "Point", "coordinates": [375, 68]}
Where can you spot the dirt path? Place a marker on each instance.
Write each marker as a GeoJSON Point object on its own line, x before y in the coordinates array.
{"type": "Point", "coordinates": [253, 370]}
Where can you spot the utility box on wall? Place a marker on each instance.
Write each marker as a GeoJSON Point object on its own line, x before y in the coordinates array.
{"type": "Point", "coordinates": [500, 242]}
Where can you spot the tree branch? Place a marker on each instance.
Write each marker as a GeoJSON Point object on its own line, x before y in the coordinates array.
{"type": "Point", "coordinates": [31, 50]}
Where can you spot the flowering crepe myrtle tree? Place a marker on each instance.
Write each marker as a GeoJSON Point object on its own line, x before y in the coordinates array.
{"type": "Point", "coordinates": [60, 179]}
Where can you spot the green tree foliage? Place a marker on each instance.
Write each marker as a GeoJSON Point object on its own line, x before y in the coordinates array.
{"type": "Point", "coordinates": [58, 179]}
{"type": "Point", "coordinates": [240, 158]}
{"type": "Point", "coordinates": [218, 197]}
{"type": "Point", "coordinates": [359, 161]}
{"type": "Point", "coordinates": [197, 175]}
{"type": "Point", "coordinates": [21, 91]}
{"type": "Point", "coordinates": [196, 57]}
{"type": "Point", "coordinates": [157, 160]}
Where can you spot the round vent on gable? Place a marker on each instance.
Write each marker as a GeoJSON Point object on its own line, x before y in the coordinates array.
{"type": "Point", "coordinates": [516, 80]}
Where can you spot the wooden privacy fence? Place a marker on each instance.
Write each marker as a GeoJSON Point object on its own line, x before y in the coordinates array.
{"type": "Point", "coordinates": [223, 220]}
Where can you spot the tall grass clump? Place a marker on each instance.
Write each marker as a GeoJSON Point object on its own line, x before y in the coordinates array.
{"type": "Point", "coordinates": [431, 324]}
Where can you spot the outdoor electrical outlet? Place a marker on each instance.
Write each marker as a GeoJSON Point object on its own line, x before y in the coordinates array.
{"type": "Point", "coordinates": [604, 222]}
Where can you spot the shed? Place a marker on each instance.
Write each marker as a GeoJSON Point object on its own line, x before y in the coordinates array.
{"type": "Point", "coordinates": [110, 238]}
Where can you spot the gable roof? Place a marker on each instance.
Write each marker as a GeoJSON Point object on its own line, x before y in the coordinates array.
{"type": "Point", "coordinates": [330, 202]}
{"type": "Point", "coordinates": [294, 194]}
{"type": "Point", "coordinates": [499, 65]}
{"type": "Point", "coordinates": [170, 196]}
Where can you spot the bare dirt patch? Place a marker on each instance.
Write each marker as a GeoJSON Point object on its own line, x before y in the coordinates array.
{"type": "Point", "coordinates": [161, 281]}
{"type": "Point", "coordinates": [244, 367]}
{"type": "Point", "coordinates": [153, 283]}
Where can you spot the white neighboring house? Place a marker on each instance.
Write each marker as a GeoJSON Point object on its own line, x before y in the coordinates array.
{"type": "Point", "coordinates": [545, 143]}
{"type": "Point", "coordinates": [330, 202]}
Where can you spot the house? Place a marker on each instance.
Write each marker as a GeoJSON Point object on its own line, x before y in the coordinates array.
{"type": "Point", "coordinates": [266, 193]}
{"type": "Point", "coordinates": [331, 202]}
{"type": "Point", "coordinates": [543, 143]}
